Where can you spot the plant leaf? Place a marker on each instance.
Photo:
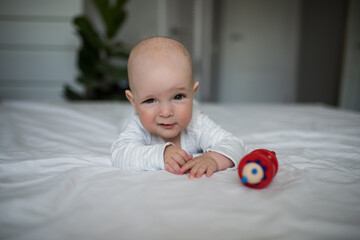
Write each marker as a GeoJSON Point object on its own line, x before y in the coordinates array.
{"type": "Point", "coordinates": [113, 15]}
{"type": "Point", "coordinates": [118, 50]}
{"type": "Point", "coordinates": [86, 30]}
{"type": "Point", "coordinates": [119, 13]}
{"type": "Point", "coordinates": [88, 57]}
{"type": "Point", "coordinates": [115, 73]}
{"type": "Point", "coordinates": [103, 6]}
{"type": "Point", "coordinates": [70, 94]}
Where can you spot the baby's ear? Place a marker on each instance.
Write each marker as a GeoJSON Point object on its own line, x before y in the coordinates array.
{"type": "Point", "coordinates": [196, 86]}
{"type": "Point", "coordinates": [130, 97]}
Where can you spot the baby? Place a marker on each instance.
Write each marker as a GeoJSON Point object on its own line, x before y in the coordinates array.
{"type": "Point", "coordinates": [165, 132]}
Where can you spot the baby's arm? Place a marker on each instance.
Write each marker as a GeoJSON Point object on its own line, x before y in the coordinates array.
{"type": "Point", "coordinates": [207, 163]}
{"type": "Point", "coordinates": [133, 150]}
{"type": "Point", "coordinates": [222, 149]}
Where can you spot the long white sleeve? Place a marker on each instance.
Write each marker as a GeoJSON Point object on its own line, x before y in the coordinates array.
{"type": "Point", "coordinates": [135, 149]}
{"type": "Point", "coordinates": [211, 137]}
{"type": "Point", "coordinates": [138, 150]}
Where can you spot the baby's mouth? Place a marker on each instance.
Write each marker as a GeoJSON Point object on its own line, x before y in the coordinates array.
{"type": "Point", "coordinates": [167, 125]}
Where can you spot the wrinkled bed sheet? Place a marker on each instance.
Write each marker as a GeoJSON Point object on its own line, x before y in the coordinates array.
{"type": "Point", "coordinates": [57, 182]}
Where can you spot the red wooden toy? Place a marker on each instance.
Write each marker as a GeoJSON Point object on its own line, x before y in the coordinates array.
{"type": "Point", "coordinates": [258, 168]}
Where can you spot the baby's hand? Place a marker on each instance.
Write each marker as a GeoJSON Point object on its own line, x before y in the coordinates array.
{"type": "Point", "coordinates": [200, 165]}
{"type": "Point", "coordinates": [174, 158]}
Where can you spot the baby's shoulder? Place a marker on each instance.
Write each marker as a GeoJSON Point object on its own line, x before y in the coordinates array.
{"type": "Point", "coordinates": [126, 121]}
{"type": "Point", "coordinates": [133, 123]}
{"type": "Point", "coordinates": [199, 119]}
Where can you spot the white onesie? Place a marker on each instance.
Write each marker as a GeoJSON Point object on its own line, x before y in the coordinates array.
{"type": "Point", "coordinates": [138, 150]}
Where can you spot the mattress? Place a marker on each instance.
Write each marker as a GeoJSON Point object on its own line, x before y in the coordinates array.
{"type": "Point", "coordinates": [57, 181]}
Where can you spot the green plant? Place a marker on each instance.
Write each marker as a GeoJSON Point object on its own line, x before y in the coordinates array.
{"type": "Point", "coordinates": [101, 58]}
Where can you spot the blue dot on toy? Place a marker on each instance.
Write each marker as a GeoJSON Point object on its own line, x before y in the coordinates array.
{"type": "Point", "coordinates": [244, 179]}
{"type": "Point", "coordinates": [254, 171]}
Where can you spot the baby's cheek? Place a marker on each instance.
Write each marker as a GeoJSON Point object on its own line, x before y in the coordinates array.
{"type": "Point", "coordinates": [147, 121]}
{"type": "Point", "coordinates": [184, 117]}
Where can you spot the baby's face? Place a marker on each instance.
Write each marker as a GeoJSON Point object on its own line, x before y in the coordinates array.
{"type": "Point", "coordinates": [162, 95]}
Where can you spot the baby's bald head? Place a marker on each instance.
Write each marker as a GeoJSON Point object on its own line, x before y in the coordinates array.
{"type": "Point", "coordinates": [155, 51]}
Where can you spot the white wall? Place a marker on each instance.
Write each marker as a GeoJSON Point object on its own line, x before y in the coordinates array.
{"type": "Point", "coordinates": [258, 50]}
{"type": "Point", "coordinates": [37, 48]}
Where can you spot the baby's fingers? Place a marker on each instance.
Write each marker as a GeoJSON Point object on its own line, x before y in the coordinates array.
{"type": "Point", "coordinates": [187, 166]}
{"type": "Point", "coordinates": [185, 157]}
{"type": "Point", "coordinates": [169, 168]}
{"type": "Point", "coordinates": [173, 166]}
{"type": "Point", "coordinates": [189, 157]}
{"type": "Point", "coordinates": [210, 171]}
{"type": "Point", "coordinates": [199, 170]}
{"type": "Point", "coordinates": [179, 160]}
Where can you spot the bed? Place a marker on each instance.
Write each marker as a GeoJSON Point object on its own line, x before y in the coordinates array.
{"type": "Point", "coordinates": [57, 182]}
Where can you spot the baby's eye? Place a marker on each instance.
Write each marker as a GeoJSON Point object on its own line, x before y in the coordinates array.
{"type": "Point", "coordinates": [179, 97]}
{"type": "Point", "coordinates": [150, 100]}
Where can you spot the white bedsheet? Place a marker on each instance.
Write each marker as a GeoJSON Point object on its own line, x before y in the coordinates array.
{"type": "Point", "coordinates": [57, 182]}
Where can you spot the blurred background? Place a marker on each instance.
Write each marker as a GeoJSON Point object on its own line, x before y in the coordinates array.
{"type": "Point", "coordinates": [244, 51]}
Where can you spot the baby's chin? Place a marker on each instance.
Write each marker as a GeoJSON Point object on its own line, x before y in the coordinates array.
{"type": "Point", "coordinates": [170, 137]}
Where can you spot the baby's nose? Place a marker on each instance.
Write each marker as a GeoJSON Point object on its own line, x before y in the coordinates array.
{"type": "Point", "coordinates": [166, 111]}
